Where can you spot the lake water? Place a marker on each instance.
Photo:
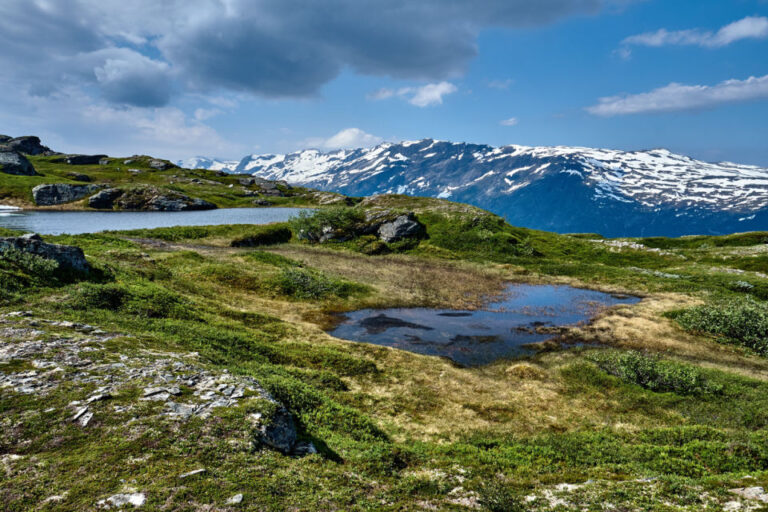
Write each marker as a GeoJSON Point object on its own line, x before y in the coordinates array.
{"type": "Point", "coordinates": [58, 222]}
{"type": "Point", "coordinates": [473, 338]}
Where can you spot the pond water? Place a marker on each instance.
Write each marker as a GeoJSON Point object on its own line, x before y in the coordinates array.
{"type": "Point", "coordinates": [74, 223]}
{"type": "Point", "coordinates": [473, 338]}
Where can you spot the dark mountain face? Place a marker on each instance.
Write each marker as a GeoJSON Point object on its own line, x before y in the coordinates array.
{"type": "Point", "coordinates": [563, 189]}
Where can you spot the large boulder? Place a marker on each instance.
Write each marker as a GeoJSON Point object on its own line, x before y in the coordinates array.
{"type": "Point", "coordinates": [159, 200]}
{"type": "Point", "coordinates": [105, 199]}
{"type": "Point", "coordinates": [5, 138]}
{"type": "Point", "coordinates": [404, 226]}
{"type": "Point", "coordinates": [161, 165]}
{"type": "Point", "coordinates": [277, 431]}
{"type": "Point", "coordinates": [81, 159]}
{"type": "Point", "coordinates": [67, 256]}
{"type": "Point", "coordinates": [61, 193]}
{"type": "Point", "coordinates": [27, 144]}
{"type": "Point", "coordinates": [12, 162]}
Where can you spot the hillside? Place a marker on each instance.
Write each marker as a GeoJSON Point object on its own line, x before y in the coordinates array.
{"type": "Point", "coordinates": [614, 193]}
{"type": "Point", "coordinates": [190, 369]}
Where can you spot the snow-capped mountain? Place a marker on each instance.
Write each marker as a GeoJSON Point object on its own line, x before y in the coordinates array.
{"type": "Point", "coordinates": [564, 189]}
{"type": "Point", "coordinates": [214, 164]}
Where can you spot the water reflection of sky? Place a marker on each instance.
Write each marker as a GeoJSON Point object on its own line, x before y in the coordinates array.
{"type": "Point", "coordinates": [472, 338]}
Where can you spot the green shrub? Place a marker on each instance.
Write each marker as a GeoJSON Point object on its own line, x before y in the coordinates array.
{"type": "Point", "coordinates": [742, 321]}
{"type": "Point", "coordinates": [310, 225]}
{"type": "Point", "coordinates": [307, 284]}
{"type": "Point", "coordinates": [267, 235]}
{"type": "Point", "coordinates": [31, 264]}
{"type": "Point", "coordinates": [142, 300]}
{"type": "Point", "coordinates": [497, 497]}
{"type": "Point", "coordinates": [654, 374]}
{"type": "Point", "coordinates": [99, 296]}
{"type": "Point", "coordinates": [271, 258]}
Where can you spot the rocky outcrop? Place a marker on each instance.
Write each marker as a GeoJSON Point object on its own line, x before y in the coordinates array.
{"type": "Point", "coordinates": [277, 431]}
{"type": "Point", "coordinates": [61, 193]}
{"type": "Point", "coordinates": [79, 177]}
{"type": "Point", "coordinates": [147, 198]}
{"type": "Point", "coordinates": [105, 199]}
{"type": "Point", "coordinates": [81, 159]}
{"type": "Point", "coordinates": [404, 226]}
{"type": "Point", "coordinates": [13, 162]}
{"type": "Point", "coordinates": [161, 165]}
{"type": "Point", "coordinates": [28, 144]}
{"type": "Point", "coordinates": [68, 257]}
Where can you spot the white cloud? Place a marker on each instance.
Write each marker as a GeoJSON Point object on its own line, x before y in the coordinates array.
{"type": "Point", "coordinates": [512, 121]}
{"type": "Point", "coordinates": [345, 139]}
{"type": "Point", "coordinates": [676, 96]}
{"type": "Point", "coordinates": [423, 96]}
{"type": "Point", "coordinates": [751, 27]}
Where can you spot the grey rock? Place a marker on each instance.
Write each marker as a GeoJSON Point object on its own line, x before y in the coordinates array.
{"type": "Point", "coordinates": [166, 204]}
{"type": "Point", "coordinates": [405, 226]}
{"type": "Point", "coordinates": [136, 499]}
{"type": "Point", "coordinates": [105, 199]}
{"type": "Point", "coordinates": [278, 431]}
{"type": "Point", "coordinates": [12, 162]}
{"type": "Point", "coordinates": [67, 256]}
{"type": "Point", "coordinates": [28, 144]}
{"type": "Point", "coordinates": [193, 473]}
{"type": "Point", "coordinates": [104, 161]}
{"type": "Point", "coordinates": [4, 138]}
{"type": "Point", "coordinates": [235, 500]}
{"type": "Point", "coordinates": [79, 177]}
{"type": "Point", "coordinates": [161, 165]}
{"type": "Point", "coordinates": [60, 193]}
{"type": "Point", "coordinates": [81, 159]}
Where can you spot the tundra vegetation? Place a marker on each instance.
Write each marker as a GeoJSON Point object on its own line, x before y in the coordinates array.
{"type": "Point", "coordinates": [661, 405]}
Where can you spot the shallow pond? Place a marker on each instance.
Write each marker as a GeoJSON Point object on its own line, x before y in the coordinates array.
{"type": "Point", "coordinates": [74, 223]}
{"type": "Point", "coordinates": [473, 338]}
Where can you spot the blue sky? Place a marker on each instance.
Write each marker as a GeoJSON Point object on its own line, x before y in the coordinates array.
{"type": "Point", "coordinates": [231, 77]}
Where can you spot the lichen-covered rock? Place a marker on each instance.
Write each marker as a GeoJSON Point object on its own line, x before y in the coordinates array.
{"type": "Point", "coordinates": [160, 200]}
{"type": "Point", "coordinates": [404, 226]}
{"type": "Point", "coordinates": [161, 165]}
{"type": "Point", "coordinates": [277, 431]}
{"type": "Point", "coordinates": [67, 256]}
{"type": "Point", "coordinates": [105, 199]}
{"type": "Point", "coordinates": [81, 159]}
{"type": "Point", "coordinates": [12, 162]}
{"type": "Point", "coordinates": [61, 193]}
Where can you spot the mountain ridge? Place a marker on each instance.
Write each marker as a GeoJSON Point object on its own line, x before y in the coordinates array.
{"type": "Point", "coordinates": [611, 192]}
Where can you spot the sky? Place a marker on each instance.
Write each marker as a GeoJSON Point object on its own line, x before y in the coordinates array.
{"type": "Point", "coordinates": [226, 78]}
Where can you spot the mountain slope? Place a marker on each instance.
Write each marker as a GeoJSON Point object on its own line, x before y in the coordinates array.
{"type": "Point", "coordinates": [564, 189]}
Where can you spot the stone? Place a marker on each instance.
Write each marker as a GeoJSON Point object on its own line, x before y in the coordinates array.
{"type": "Point", "coordinates": [278, 431]}
{"type": "Point", "coordinates": [136, 499]}
{"type": "Point", "coordinates": [81, 159]}
{"type": "Point", "coordinates": [28, 144]}
{"type": "Point", "coordinates": [104, 161]}
{"type": "Point", "coordinates": [193, 473]}
{"type": "Point", "coordinates": [67, 256]}
{"type": "Point", "coordinates": [12, 162]}
{"type": "Point", "coordinates": [404, 226]}
{"type": "Point", "coordinates": [79, 177]}
{"type": "Point", "coordinates": [235, 500]}
{"type": "Point", "coordinates": [105, 199]}
{"type": "Point", "coordinates": [61, 193]}
{"type": "Point", "coordinates": [161, 165]}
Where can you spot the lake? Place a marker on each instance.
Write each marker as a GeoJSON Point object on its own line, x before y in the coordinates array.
{"type": "Point", "coordinates": [62, 222]}
{"type": "Point", "coordinates": [472, 338]}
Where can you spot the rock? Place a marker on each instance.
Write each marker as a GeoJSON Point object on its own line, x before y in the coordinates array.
{"type": "Point", "coordinates": [161, 165]}
{"type": "Point", "coordinates": [81, 159]}
{"type": "Point", "coordinates": [105, 200]}
{"type": "Point", "coordinates": [12, 162]}
{"type": "Point", "coordinates": [405, 226]}
{"type": "Point", "coordinates": [159, 200]}
{"type": "Point", "coordinates": [278, 431]}
{"type": "Point", "coordinates": [4, 138]}
{"type": "Point", "coordinates": [104, 161]}
{"type": "Point", "coordinates": [79, 177]}
{"type": "Point", "coordinates": [178, 204]}
{"type": "Point", "coordinates": [67, 256]}
{"type": "Point", "coordinates": [136, 499]}
{"type": "Point", "coordinates": [235, 500]}
{"type": "Point", "coordinates": [60, 193]}
{"type": "Point", "coordinates": [27, 144]}
{"type": "Point", "coordinates": [193, 473]}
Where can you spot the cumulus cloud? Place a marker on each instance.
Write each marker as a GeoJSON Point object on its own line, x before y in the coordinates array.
{"type": "Point", "coordinates": [676, 97]}
{"type": "Point", "coordinates": [345, 139]}
{"type": "Point", "coordinates": [423, 96]}
{"type": "Point", "coordinates": [273, 48]}
{"type": "Point", "coordinates": [512, 121]}
{"type": "Point", "coordinates": [751, 27]}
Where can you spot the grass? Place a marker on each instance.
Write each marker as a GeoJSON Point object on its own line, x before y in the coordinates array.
{"type": "Point", "coordinates": [395, 430]}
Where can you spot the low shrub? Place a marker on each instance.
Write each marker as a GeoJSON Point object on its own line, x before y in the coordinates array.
{"type": "Point", "coordinates": [310, 225]}
{"type": "Point", "coordinates": [31, 264]}
{"type": "Point", "coordinates": [307, 284]}
{"type": "Point", "coordinates": [497, 497]}
{"type": "Point", "coordinates": [655, 374]}
{"type": "Point", "coordinates": [742, 321]}
{"type": "Point", "coordinates": [142, 300]}
{"type": "Point", "coordinates": [267, 235]}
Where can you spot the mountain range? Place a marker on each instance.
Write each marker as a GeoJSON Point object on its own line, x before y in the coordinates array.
{"type": "Point", "coordinates": [563, 189]}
